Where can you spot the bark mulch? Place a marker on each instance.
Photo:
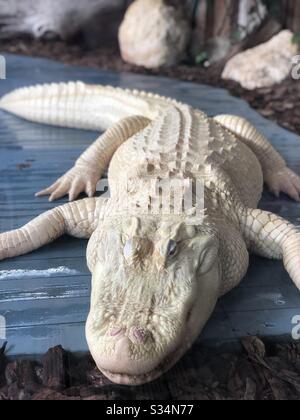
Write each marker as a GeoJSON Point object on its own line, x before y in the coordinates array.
{"type": "Point", "coordinates": [279, 103]}
{"type": "Point", "coordinates": [258, 371]}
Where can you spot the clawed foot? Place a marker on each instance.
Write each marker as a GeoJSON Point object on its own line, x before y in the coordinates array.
{"type": "Point", "coordinates": [285, 181]}
{"type": "Point", "coordinates": [73, 183]}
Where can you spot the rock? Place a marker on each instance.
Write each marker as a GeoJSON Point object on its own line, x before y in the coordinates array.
{"type": "Point", "coordinates": [153, 34]}
{"type": "Point", "coordinates": [264, 65]}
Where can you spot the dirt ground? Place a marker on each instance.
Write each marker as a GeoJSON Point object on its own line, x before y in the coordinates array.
{"type": "Point", "coordinates": [258, 371]}
{"type": "Point", "coordinates": [281, 103]}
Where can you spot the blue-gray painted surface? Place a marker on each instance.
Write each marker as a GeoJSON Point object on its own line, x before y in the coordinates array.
{"type": "Point", "coordinates": [44, 296]}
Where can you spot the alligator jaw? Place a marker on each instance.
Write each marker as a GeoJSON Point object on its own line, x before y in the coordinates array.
{"type": "Point", "coordinates": [125, 379]}
{"type": "Point", "coordinates": [164, 366]}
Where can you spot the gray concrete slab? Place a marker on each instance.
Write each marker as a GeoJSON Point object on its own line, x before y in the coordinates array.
{"type": "Point", "coordinates": [44, 296]}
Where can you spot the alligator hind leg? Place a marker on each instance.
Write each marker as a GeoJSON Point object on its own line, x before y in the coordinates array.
{"type": "Point", "coordinates": [77, 219]}
{"type": "Point", "coordinates": [271, 236]}
{"type": "Point", "coordinates": [89, 168]}
{"type": "Point", "coordinates": [277, 175]}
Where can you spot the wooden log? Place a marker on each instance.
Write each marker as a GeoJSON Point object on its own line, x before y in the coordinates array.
{"type": "Point", "coordinates": [55, 18]}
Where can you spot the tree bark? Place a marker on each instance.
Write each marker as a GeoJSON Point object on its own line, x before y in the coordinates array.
{"type": "Point", "coordinates": [291, 13]}
{"type": "Point", "coordinates": [221, 18]}
{"type": "Point", "coordinates": [266, 30]}
{"type": "Point", "coordinates": [55, 368]}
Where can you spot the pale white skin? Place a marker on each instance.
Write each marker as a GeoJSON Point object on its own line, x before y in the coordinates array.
{"type": "Point", "coordinates": [156, 278]}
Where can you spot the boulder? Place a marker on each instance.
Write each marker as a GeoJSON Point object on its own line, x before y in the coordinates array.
{"type": "Point", "coordinates": [153, 33]}
{"type": "Point", "coordinates": [264, 65]}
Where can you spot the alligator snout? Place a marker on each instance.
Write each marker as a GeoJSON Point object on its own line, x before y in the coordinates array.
{"type": "Point", "coordinates": [132, 355]}
{"type": "Point", "coordinates": [127, 355]}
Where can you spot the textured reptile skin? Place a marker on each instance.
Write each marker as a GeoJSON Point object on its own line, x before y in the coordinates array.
{"type": "Point", "coordinates": [156, 274]}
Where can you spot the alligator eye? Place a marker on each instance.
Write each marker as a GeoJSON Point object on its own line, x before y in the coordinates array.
{"type": "Point", "coordinates": [172, 248]}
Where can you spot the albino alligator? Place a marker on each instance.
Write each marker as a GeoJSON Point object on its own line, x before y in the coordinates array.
{"type": "Point", "coordinates": [156, 275]}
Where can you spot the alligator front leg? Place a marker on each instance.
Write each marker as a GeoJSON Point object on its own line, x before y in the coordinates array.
{"type": "Point", "coordinates": [278, 177]}
{"type": "Point", "coordinates": [89, 168]}
{"type": "Point", "coordinates": [273, 237]}
{"type": "Point", "coordinates": [78, 219]}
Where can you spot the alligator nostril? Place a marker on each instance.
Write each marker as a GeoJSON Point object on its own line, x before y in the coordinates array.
{"type": "Point", "coordinates": [139, 334]}
{"type": "Point", "coordinates": [114, 331]}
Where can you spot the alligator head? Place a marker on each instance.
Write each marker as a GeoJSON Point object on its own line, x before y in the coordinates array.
{"type": "Point", "coordinates": [155, 283]}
